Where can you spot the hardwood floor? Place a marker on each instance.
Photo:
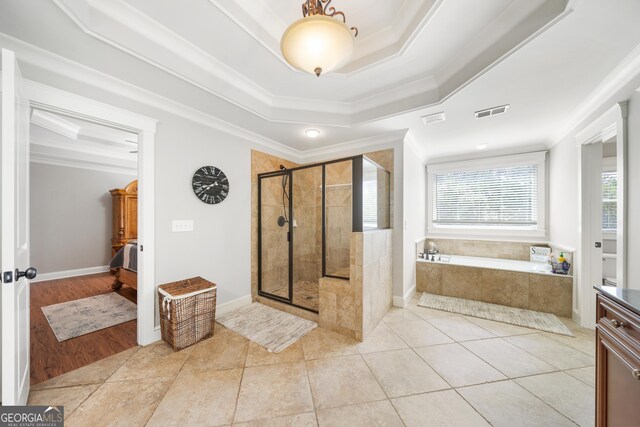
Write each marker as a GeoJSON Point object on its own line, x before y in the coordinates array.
{"type": "Point", "coordinates": [50, 358]}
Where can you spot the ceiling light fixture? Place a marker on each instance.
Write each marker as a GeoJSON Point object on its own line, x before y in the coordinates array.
{"type": "Point", "coordinates": [312, 133]}
{"type": "Point", "coordinates": [318, 43]}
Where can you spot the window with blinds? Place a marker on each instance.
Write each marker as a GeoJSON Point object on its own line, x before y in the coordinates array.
{"type": "Point", "coordinates": [500, 193]}
{"type": "Point", "coordinates": [609, 201]}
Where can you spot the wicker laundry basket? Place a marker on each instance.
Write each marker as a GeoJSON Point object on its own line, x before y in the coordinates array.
{"type": "Point", "coordinates": [187, 311]}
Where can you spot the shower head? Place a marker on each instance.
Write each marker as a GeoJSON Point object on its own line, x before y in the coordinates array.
{"type": "Point", "coordinates": [282, 168]}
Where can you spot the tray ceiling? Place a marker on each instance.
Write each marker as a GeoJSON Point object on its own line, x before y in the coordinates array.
{"type": "Point", "coordinates": [409, 54]}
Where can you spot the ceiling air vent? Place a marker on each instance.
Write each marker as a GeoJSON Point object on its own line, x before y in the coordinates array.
{"type": "Point", "coordinates": [492, 111]}
{"type": "Point", "coordinates": [434, 118]}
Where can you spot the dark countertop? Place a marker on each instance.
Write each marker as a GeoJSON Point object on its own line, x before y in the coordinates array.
{"type": "Point", "coordinates": [629, 298]}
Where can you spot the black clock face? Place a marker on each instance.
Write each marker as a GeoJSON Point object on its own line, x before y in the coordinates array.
{"type": "Point", "coordinates": [210, 185]}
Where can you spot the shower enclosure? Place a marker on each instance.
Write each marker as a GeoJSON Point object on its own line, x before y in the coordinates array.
{"type": "Point", "coordinates": [305, 219]}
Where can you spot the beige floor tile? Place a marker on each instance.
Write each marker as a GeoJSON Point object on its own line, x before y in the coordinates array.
{"type": "Point", "coordinates": [399, 315]}
{"type": "Point", "coordinates": [419, 333]}
{"type": "Point", "coordinates": [381, 339]}
{"type": "Point", "coordinates": [156, 360]}
{"type": "Point", "coordinates": [430, 313]}
{"type": "Point", "coordinates": [128, 403]}
{"type": "Point", "coordinates": [258, 355]}
{"type": "Point", "coordinates": [500, 329]}
{"type": "Point", "coordinates": [271, 391]}
{"type": "Point", "coordinates": [457, 365]}
{"type": "Point", "coordinates": [95, 373]}
{"type": "Point", "coordinates": [226, 350]}
{"type": "Point", "coordinates": [585, 342]}
{"type": "Point", "coordinates": [555, 353]}
{"type": "Point", "coordinates": [403, 372]}
{"type": "Point", "coordinates": [571, 397]}
{"type": "Point", "coordinates": [69, 397]}
{"type": "Point", "coordinates": [342, 381]}
{"type": "Point", "coordinates": [300, 420]}
{"type": "Point", "coordinates": [507, 404]}
{"type": "Point", "coordinates": [203, 399]}
{"type": "Point", "coordinates": [512, 361]}
{"type": "Point", "coordinates": [586, 375]}
{"type": "Point", "coordinates": [322, 343]}
{"type": "Point", "coordinates": [460, 329]}
{"type": "Point", "coordinates": [379, 413]}
{"type": "Point", "coordinates": [439, 409]}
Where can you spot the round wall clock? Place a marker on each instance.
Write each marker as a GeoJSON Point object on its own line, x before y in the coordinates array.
{"type": "Point", "coordinates": [210, 185]}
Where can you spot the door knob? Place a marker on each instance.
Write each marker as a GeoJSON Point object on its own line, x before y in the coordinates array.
{"type": "Point", "coordinates": [30, 273]}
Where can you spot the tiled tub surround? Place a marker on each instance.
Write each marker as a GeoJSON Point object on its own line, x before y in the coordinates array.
{"type": "Point", "coordinates": [542, 291]}
{"type": "Point", "coordinates": [354, 307]}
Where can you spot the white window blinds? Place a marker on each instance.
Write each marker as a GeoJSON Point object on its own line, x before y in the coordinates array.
{"type": "Point", "coordinates": [497, 196]}
{"type": "Point", "coordinates": [609, 201]}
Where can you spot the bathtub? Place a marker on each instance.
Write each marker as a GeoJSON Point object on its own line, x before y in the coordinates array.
{"type": "Point", "coordinates": [492, 263]}
{"type": "Point", "coordinates": [520, 284]}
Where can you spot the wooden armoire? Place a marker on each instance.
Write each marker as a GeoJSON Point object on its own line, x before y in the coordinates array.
{"type": "Point", "coordinates": [125, 215]}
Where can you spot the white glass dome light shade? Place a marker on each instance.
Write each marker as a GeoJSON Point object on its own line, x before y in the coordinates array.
{"type": "Point", "coordinates": [317, 44]}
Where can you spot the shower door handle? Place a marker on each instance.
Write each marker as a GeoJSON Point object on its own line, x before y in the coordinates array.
{"type": "Point", "coordinates": [288, 236]}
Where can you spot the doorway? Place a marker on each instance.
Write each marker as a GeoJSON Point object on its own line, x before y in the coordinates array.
{"type": "Point", "coordinates": [29, 95]}
{"type": "Point", "coordinates": [83, 210]}
{"type": "Point", "coordinates": [602, 213]}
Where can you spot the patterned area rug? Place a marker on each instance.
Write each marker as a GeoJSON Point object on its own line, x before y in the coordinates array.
{"type": "Point", "coordinates": [515, 316]}
{"type": "Point", "coordinates": [273, 329]}
{"type": "Point", "coordinates": [75, 318]}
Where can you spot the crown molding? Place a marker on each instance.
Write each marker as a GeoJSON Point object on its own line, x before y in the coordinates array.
{"type": "Point", "coordinates": [354, 147]}
{"type": "Point", "coordinates": [131, 31]}
{"type": "Point", "coordinates": [67, 163]}
{"type": "Point", "coordinates": [56, 64]}
{"type": "Point", "coordinates": [55, 123]}
{"type": "Point", "coordinates": [615, 81]}
{"type": "Point", "coordinates": [59, 65]}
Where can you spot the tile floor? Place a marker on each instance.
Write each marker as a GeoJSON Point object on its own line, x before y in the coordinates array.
{"type": "Point", "coordinates": [419, 367]}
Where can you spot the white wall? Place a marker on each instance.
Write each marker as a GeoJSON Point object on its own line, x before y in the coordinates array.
{"type": "Point", "coordinates": [414, 200]}
{"type": "Point", "coordinates": [71, 217]}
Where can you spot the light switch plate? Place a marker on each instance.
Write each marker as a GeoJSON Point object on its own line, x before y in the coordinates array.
{"type": "Point", "coordinates": [182, 225]}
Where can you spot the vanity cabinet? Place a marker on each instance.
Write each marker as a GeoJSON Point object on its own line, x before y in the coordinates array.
{"type": "Point", "coordinates": [617, 357]}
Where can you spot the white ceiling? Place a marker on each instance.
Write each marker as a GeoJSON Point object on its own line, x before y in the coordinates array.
{"type": "Point", "coordinates": [414, 57]}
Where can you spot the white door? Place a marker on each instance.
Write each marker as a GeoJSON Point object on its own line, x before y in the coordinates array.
{"type": "Point", "coordinates": [14, 182]}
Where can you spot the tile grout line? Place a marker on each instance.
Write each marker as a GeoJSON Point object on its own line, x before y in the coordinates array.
{"type": "Point", "coordinates": [99, 384]}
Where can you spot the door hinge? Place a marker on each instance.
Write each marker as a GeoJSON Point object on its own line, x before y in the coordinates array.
{"type": "Point", "coordinates": [141, 248]}
{"type": "Point", "coordinates": [7, 277]}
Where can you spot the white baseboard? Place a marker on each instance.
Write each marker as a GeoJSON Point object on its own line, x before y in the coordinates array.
{"type": "Point", "coordinates": [403, 301]}
{"type": "Point", "coordinates": [70, 273]}
{"type": "Point", "coordinates": [232, 305]}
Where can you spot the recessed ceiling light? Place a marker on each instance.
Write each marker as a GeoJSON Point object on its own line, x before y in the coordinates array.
{"type": "Point", "coordinates": [312, 133]}
{"type": "Point", "coordinates": [482, 146]}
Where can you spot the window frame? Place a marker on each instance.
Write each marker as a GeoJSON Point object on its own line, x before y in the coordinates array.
{"type": "Point", "coordinates": [538, 158]}
{"type": "Point", "coordinates": [609, 164]}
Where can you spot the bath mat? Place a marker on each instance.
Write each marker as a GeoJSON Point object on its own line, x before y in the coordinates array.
{"type": "Point", "coordinates": [273, 329]}
{"type": "Point", "coordinates": [75, 318]}
{"type": "Point", "coordinates": [515, 316]}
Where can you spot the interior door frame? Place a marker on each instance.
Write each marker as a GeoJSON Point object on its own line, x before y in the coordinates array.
{"type": "Point", "coordinates": [55, 100]}
{"type": "Point", "coordinates": [613, 123]}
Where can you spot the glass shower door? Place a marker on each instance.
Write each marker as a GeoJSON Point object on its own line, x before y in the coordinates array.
{"type": "Point", "coordinates": [274, 230]}
{"type": "Point", "coordinates": [307, 236]}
